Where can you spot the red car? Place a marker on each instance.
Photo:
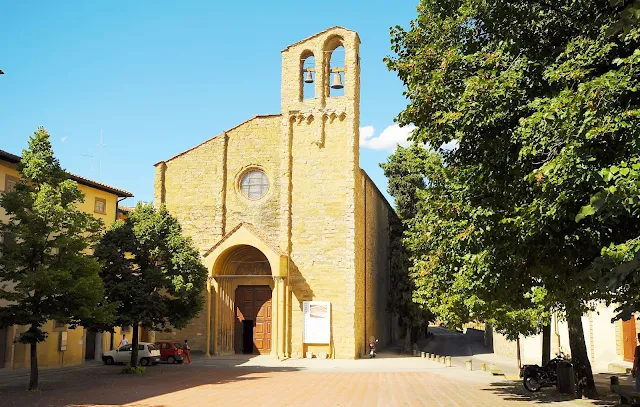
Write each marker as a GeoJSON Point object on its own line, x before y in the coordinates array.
{"type": "Point", "coordinates": [170, 351]}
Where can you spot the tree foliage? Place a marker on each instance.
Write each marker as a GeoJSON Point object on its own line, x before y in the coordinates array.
{"type": "Point", "coordinates": [46, 272]}
{"type": "Point", "coordinates": [541, 97]}
{"type": "Point", "coordinates": [446, 240]}
{"type": "Point", "coordinates": [152, 271]}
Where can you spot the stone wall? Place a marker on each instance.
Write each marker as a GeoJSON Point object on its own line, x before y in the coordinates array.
{"type": "Point", "coordinates": [201, 189]}
{"type": "Point", "coordinates": [314, 209]}
{"type": "Point", "coordinates": [377, 261]}
{"type": "Point", "coordinates": [321, 139]}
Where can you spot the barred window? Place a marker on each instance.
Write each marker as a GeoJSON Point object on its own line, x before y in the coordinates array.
{"type": "Point", "coordinates": [254, 184]}
{"type": "Point", "coordinates": [10, 183]}
{"type": "Point", "coordinates": [100, 206]}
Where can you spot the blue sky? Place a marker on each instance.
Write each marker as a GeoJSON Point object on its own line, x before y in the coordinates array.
{"type": "Point", "coordinates": [159, 77]}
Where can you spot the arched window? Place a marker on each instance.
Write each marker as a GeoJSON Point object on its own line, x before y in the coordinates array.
{"type": "Point", "coordinates": [308, 76]}
{"type": "Point", "coordinates": [336, 72]}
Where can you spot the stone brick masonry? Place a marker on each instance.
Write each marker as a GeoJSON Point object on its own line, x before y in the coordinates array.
{"type": "Point", "coordinates": [321, 210]}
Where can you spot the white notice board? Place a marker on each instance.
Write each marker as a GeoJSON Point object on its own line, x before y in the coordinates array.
{"type": "Point", "coordinates": [317, 322]}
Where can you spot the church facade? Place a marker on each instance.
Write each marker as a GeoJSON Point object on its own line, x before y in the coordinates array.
{"type": "Point", "coordinates": [294, 234]}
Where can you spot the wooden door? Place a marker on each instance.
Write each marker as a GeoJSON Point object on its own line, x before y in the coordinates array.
{"type": "Point", "coordinates": [253, 303]}
{"type": "Point", "coordinates": [629, 338]}
{"type": "Point", "coordinates": [3, 346]}
{"type": "Point", "coordinates": [262, 332]}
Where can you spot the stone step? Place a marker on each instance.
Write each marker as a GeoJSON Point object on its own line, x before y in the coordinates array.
{"type": "Point", "coordinates": [620, 367]}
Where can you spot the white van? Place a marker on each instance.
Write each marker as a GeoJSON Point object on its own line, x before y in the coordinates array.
{"type": "Point", "coordinates": [147, 352]}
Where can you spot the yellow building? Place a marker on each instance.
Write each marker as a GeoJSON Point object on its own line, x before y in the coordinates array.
{"type": "Point", "coordinates": [102, 202]}
{"type": "Point", "coordinates": [294, 234]}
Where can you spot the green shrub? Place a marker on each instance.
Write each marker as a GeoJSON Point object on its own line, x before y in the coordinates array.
{"type": "Point", "coordinates": [138, 370]}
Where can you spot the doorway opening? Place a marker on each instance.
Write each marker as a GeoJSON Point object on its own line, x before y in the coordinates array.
{"type": "Point", "coordinates": [253, 319]}
{"type": "Point", "coordinates": [3, 345]}
{"type": "Point", "coordinates": [247, 336]}
{"type": "Point", "coordinates": [90, 347]}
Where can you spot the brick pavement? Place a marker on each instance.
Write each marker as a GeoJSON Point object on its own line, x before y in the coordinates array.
{"type": "Point", "coordinates": [219, 383]}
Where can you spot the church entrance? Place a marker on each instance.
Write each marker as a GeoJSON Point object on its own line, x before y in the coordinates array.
{"type": "Point", "coordinates": [253, 319]}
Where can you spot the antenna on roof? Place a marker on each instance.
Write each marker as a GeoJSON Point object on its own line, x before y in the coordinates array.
{"type": "Point", "coordinates": [100, 155]}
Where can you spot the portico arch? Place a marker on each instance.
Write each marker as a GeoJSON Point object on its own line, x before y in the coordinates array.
{"type": "Point", "coordinates": [245, 258]}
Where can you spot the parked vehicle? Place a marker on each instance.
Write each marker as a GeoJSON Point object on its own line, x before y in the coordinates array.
{"type": "Point", "coordinates": [170, 351]}
{"type": "Point", "coordinates": [535, 377]}
{"type": "Point", "coordinates": [148, 354]}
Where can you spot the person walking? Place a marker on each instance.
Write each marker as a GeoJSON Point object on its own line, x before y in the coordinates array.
{"type": "Point", "coordinates": [186, 350]}
{"type": "Point", "coordinates": [636, 364]}
{"type": "Point", "coordinates": [124, 341]}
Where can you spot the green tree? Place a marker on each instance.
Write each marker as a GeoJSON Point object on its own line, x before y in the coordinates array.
{"type": "Point", "coordinates": [45, 271]}
{"type": "Point", "coordinates": [446, 239]}
{"type": "Point", "coordinates": [152, 271]}
{"type": "Point", "coordinates": [541, 96]}
{"type": "Point", "coordinates": [617, 266]}
{"type": "Point", "coordinates": [412, 317]}
{"type": "Point", "coordinates": [405, 179]}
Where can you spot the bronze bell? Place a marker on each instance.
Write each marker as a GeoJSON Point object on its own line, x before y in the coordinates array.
{"type": "Point", "coordinates": [308, 78]}
{"type": "Point", "coordinates": [336, 83]}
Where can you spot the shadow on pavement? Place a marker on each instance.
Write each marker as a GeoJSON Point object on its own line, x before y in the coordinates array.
{"type": "Point", "coordinates": [106, 385]}
{"type": "Point", "coordinates": [515, 391]}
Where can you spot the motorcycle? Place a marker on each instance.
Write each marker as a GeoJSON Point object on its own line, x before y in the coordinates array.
{"type": "Point", "coordinates": [372, 348]}
{"type": "Point", "coordinates": [535, 377]}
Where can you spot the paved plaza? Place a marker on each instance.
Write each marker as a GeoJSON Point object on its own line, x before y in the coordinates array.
{"type": "Point", "coordinates": [389, 380]}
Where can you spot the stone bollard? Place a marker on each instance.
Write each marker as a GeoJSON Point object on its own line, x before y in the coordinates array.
{"type": "Point", "coordinates": [437, 358]}
{"type": "Point", "coordinates": [469, 364]}
{"type": "Point", "coordinates": [423, 354]}
{"type": "Point", "coordinates": [483, 367]}
{"type": "Point", "coordinates": [448, 361]}
{"type": "Point", "coordinates": [615, 381]}
{"type": "Point", "coordinates": [415, 352]}
{"type": "Point", "coordinates": [429, 356]}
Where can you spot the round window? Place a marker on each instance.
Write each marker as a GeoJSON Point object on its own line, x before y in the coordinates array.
{"type": "Point", "coordinates": [254, 184]}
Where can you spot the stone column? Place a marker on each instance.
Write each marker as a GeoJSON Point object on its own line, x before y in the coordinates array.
{"type": "Point", "coordinates": [275, 336]}
{"type": "Point", "coordinates": [281, 331]}
{"type": "Point", "coordinates": [208, 335]}
{"type": "Point", "coordinates": [216, 319]}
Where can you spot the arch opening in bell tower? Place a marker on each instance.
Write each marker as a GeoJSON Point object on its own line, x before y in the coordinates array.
{"type": "Point", "coordinates": [307, 75]}
{"type": "Point", "coordinates": [335, 66]}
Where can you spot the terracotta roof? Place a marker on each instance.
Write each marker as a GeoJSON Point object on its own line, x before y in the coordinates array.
{"type": "Point", "coordinates": [259, 234]}
{"type": "Point", "coordinates": [126, 209]}
{"type": "Point", "coordinates": [318, 34]}
{"type": "Point", "coordinates": [258, 116]}
{"type": "Point", "coordinates": [14, 159]}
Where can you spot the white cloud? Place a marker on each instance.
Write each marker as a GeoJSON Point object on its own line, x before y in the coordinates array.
{"type": "Point", "coordinates": [388, 140]}
{"type": "Point", "coordinates": [63, 139]}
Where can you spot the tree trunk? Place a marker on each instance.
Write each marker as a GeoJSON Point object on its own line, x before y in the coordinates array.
{"type": "Point", "coordinates": [579, 357]}
{"type": "Point", "coordinates": [546, 344]}
{"type": "Point", "coordinates": [134, 345]}
{"type": "Point", "coordinates": [407, 340]}
{"type": "Point", "coordinates": [33, 379]}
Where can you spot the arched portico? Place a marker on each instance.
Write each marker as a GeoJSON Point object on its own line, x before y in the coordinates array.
{"type": "Point", "coordinates": [246, 262]}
